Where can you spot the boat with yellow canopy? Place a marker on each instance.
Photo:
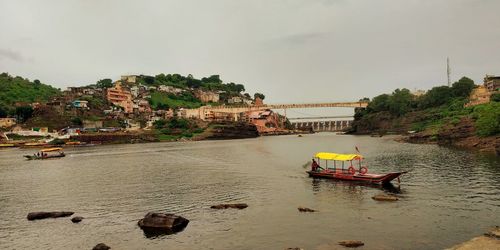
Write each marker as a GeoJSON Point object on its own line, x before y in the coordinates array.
{"type": "Point", "coordinates": [346, 167]}
{"type": "Point", "coordinates": [46, 153]}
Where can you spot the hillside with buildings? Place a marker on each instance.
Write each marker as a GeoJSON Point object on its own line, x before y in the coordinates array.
{"type": "Point", "coordinates": [463, 114]}
{"type": "Point", "coordinates": [165, 107]}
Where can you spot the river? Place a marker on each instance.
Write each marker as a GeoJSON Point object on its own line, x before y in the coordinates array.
{"type": "Point", "coordinates": [447, 196]}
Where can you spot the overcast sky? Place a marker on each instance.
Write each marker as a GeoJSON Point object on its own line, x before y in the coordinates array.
{"type": "Point", "coordinates": [290, 50]}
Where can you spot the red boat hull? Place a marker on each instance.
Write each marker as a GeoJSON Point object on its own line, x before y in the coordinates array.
{"type": "Point", "coordinates": [370, 178]}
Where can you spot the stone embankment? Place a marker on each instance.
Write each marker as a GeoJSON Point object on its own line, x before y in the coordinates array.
{"type": "Point", "coordinates": [115, 138]}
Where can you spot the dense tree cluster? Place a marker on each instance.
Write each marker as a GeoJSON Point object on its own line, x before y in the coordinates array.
{"type": "Point", "coordinates": [444, 104]}
{"type": "Point", "coordinates": [401, 101]}
{"type": "Point", "coordinates": [212, 82]}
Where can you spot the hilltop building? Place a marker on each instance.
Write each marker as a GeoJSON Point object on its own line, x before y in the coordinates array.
{"type": "Point", "coordinates": [492, 83]}
{"type": "Point", "coordinates": [479, 95]}
{"type": "Point", "coordinates": [418, 92]}
{"type": "Point", "coordinates": [120, 96]}
{"type": "Point", "coordinates": [130, 78]}
{"type": "Point", "coordinates": [207, 96]}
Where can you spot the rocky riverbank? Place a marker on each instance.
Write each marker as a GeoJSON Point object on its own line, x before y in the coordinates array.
{"type": "Point", "coordinates": [490, 240]}
{"type": "Point", "coordinates": [457, 133]}
{"type": "Point", "coordinates": [229, 130]}
{"type": "Point", "coordinates": [462, 134]}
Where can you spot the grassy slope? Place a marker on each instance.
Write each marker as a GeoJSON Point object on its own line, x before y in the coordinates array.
{"type": "Point", "coordinates": [17, 89]}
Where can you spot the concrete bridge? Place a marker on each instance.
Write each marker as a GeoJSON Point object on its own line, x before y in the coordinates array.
{"type": "Point", "coordinates": [240, 109]}
{"type": "Point", "coordinates": [322, 126]}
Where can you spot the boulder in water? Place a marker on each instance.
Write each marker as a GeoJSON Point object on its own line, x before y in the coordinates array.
{"type": "Point", "coordinates": [101, 246]}
{"type": "Point", "coordinates": [351, 243]}
{"type": "Point", "coordinates": [159, 223]}
{"type": "Point", "coordinates": [45, 215]}
{"type": "Point", "coordinates": [306, 209]}
{"type": "Point", "coordinates": [226, 206]}
{"type": "Point", "coordinates": [76, 219]}
{"type": "Point", "coordinates": [384, 197]}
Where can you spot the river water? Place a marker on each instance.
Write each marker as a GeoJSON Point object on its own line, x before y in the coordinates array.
{"type": "Point", "coordinates": [448, 195]}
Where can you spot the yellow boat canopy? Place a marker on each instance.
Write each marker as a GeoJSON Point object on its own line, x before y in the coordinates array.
{"type": "Point", "coordinates": [50, 149]}
{"type": "Point", "coordinates": [338, 157]}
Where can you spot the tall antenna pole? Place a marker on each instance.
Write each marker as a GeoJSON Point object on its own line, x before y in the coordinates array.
{"type": "Point", "coordinates": [448, 71]}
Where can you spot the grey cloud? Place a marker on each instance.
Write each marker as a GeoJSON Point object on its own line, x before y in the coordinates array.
{"type": "Point", "coordinates": [290, 50]}
{"type": "Point", "coordinates": [7, 54]}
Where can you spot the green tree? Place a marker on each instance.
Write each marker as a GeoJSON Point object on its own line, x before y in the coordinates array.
{"type": "Point", "coordinates": [495, 97]}
{"type": "Point", "coordinates": [159, 124]}
{"type": "Point", "coordinates": [23, 113]}
{"type": "Point", "coordinates": [379, 103]}
{"type": "Point", "coordinates": [463, 87]}
{"type": "Point", "coordinates": [399, 103]}
{"type": "Point", "coordinates": [259, 95]}
{"type": "Point", "coordinates": [487, 119]}
{"type": "Point", "coordinates": [162, 106]}
{"type": "Point", "coordinates": [436, 97]}
{"type": "Point", "coordinates": [104, 83]}
{"type": "Point", "coordinates": [212, 79]}
{"type": "Point", "coordinates": [3, 112]}
{"type": "Point", "coordinates": [77, 121]}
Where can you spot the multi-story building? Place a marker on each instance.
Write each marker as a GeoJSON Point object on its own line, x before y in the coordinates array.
{"type": "Point", "coordinates": [265, 121]}
{"type": "Point", "coordinates": [120, 96]}
{"type": "Point", "coordinates": [142, 106]}
{"type": "Point", "coordinates": [492, 83]}
{"type": "Point", "coordinates": [130, 78]}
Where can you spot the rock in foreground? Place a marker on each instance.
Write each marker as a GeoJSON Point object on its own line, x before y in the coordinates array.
{"type": "Point", "coordinates": [305, 209]}
{"type": "Point", "coordinates": [44, 215]}
{"type": "Point", "coordinates": [101, 246]}
{"type": "Point", "coordinates": [384, 197]}
{"type": "Point", "coordinates": [351, 243]}
{"type": "Point", "coordinates": [226, 206]}
{"type": "Point", "coordinates": [160, 223]}
{"type": "Point", "coordinates": [76, 219]}
{"type": "Point", "coordinates": [490, 240]}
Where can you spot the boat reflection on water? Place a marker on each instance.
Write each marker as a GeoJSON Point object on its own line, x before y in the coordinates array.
{"type": "Point", "coordinates": [352, 186]}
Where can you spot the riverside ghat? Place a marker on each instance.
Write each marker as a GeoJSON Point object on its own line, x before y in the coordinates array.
{"type": "Point", "coordinates": [265, 177]}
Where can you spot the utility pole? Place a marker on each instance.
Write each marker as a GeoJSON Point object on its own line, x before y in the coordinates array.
{"type": "Point", "coordinates": [448, 71]}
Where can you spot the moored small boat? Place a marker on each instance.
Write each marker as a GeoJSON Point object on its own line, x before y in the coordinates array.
{"type": "Point", "coordinates": [348, 173]}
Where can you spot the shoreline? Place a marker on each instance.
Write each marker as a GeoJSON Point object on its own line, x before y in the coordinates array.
{"type": "Point", "coordinates": [88, 140]}
{"type": "Point", "coordinates": [490, 145]}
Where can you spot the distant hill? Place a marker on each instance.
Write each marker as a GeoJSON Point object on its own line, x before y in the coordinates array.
{"type": "Point", "coordinates": [18, 89]}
